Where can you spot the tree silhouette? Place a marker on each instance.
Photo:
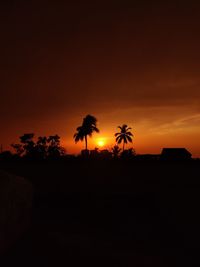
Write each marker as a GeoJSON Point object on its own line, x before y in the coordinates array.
{"type": "Point", "coordinates": [28, 143]}
{"type": "Point", "coordinates": [124, 135]}
{"type": "Point", "coordinates": [116, 151]}
{"type": "Point", "coordinates": [54, 148]}
{"type": "Point", "coordinates": [54, 140]}
{"type": "Point", "coordinates": [86, 129]}
{"type": "Point", "coordinates": [18, 149]}
{"type": "Point", "coordinates": [42, 147]}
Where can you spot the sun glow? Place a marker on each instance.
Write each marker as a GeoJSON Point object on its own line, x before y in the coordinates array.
{"type": "Point", "coordinates": [100, 142]}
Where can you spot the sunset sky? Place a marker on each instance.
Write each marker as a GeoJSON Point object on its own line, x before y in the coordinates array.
{"type": "Point", "coordinates": [136, 63]}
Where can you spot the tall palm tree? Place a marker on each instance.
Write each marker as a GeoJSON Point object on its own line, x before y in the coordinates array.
{"type": "Point", "coordinates": [86, 129]}
{"type": "Point", "coordinates": [124, 135]}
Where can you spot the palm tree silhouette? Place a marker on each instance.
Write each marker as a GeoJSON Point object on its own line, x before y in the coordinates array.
{"type": "Point", "coordinates": [124, 135]}
{"type": "Point", "coordinates": [86, 129]}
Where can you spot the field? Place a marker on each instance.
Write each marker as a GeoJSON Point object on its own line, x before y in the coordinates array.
{"type": "Point", "coordinates": [110, 213]}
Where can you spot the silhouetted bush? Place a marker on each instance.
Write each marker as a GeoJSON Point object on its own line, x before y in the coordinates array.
{"type": "Point", "coordinates": [43, 148]}
{"type": "Point", "coordinates": [128, 154]}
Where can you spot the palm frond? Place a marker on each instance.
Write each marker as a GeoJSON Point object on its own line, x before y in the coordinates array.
{"type": "Point", "coordinates": [125, 139]}
{"type": "Point", "coordinates": [129, 133]}
{"type": "Point", "coordinates": [129, 139]}
{"type": "Point", "coordinates": [124, 126]}
{"type": "Point", "coordinates": [79, 128]}
{"type": "Point", "coordinates": [119, 139]}
{"type": "Point", "coordinates": [95, 129]}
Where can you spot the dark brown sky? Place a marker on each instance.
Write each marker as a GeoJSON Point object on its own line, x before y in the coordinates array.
{"type": "Point", "coordinates": [135, 63]}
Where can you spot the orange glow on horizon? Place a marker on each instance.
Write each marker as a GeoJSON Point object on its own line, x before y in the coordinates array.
{"type": "Point", "coordinates": [149, 135]}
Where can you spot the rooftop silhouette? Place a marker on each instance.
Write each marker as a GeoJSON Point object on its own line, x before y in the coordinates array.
{"type": "Point", "coordinates": [176, 154]}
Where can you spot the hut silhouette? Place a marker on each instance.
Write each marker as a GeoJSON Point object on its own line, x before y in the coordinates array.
{"type": "Point", "coordinates": [175, 154]}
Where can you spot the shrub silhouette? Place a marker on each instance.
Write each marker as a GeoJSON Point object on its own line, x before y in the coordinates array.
{"type": "Point", "coordinates": [116, 151]}
{"type": "Point", "coordinates": [128, 153]}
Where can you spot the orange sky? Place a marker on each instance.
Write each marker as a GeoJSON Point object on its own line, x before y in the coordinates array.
{"type": "Point", "coordinates": [135, 63]}
{"type": "Point", "coordinates": [151, 134]}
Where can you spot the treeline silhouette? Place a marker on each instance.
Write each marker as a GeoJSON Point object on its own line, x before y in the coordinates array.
{"type": "Point", "coordinates": [44, 147]}
{"type": "Point", "coordinates": [49, 147]}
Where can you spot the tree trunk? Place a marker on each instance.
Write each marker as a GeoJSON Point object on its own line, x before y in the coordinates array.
{"type": "Point", "coordinates": [86, 142]}
{"type": "Point", "coordinates": [123, 145]}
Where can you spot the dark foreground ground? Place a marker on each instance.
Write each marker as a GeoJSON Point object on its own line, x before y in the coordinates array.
{"type": "Point", "coordinates": [110, 214]}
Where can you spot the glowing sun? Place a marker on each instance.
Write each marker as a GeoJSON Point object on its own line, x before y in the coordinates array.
{"type": "Point", "coordinates": [100, 142]}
